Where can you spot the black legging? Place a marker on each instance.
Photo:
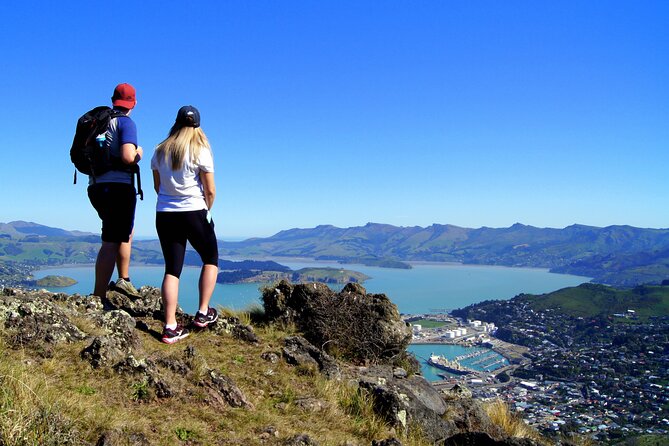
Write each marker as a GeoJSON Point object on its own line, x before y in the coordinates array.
{"type": "Point", "coordinates": [175, 228]}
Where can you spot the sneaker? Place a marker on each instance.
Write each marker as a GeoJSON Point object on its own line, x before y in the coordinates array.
{"type": "Point", "coordinates": [171, 336]}
{"type": "Point", "coordinates": [126, 287]}
{"type": "Point", "coordinates": [202, 320]}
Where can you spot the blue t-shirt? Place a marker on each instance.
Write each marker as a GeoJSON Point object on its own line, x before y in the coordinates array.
{"type": "Point", "coordinates": [122, 130]}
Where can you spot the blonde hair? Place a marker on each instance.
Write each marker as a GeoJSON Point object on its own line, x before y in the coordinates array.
{"type": "Point", "coordinates": [180, 141]}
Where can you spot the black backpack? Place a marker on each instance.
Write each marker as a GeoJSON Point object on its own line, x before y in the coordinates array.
{"type": "Point", "coordinates": [91, 153]}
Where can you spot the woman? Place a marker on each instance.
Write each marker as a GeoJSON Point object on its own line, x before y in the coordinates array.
{"type": "Point", "coordinates": [183, 177]}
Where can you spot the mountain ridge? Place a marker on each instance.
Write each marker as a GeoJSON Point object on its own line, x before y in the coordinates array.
{"type": "Point", "coordinates": [620, 255]}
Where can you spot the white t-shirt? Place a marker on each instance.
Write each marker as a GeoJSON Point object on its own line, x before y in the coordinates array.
{"type": "Point", "coordinates": [181, 190]}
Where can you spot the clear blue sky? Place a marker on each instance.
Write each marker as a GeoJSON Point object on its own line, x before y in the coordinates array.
{"type": "Point", "coordinates": [344, 112]}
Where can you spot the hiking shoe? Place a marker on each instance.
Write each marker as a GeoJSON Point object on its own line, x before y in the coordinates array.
{"type": "Point", "coordinates": [202, 320]}
{"type": "Point", "coordinates": [171, 336]}
{"type": "Point", "coordinates": [126, 287]}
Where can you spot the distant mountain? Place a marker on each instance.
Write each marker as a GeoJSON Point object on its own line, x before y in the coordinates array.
{"type": "Point", "coordinates": [620, 255]}
{"type": "Point", "coordinates": [615, 255]}
{"type": "Point", "coordinates": [25, 228]}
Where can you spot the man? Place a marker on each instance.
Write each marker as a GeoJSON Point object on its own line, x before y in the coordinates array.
{"type": "Point", "coordinates": [113, 196]}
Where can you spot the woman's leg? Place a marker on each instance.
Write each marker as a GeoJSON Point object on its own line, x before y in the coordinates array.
{"type": "Point", "coordinates": [203, 239]}
{"type": "Point", "coordinates": [206, 285]}
{"type": "Point", "coordinates": [172, 238]}
{"type": "Point", "coordinates": [170, 292]}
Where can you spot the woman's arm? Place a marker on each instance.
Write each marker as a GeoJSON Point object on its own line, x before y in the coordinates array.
{"type": "Point", "coordinates": [207, 179]}
{"type": "Point", "coordinates": [156, 180]}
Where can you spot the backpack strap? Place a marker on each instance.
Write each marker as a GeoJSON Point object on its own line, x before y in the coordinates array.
{"type": "Point", "coordinates": [140, 192]}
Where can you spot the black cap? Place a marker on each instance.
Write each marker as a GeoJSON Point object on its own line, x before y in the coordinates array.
{"type": "Point", "coordinates": [188, 116]}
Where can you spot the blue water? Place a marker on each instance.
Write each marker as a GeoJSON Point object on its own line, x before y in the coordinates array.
{"type": "Point", "coordinates": [423, 351]}
{"type": "Point", "coordinates": [423, 289]}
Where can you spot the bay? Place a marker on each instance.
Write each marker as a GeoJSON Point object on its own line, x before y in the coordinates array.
{"type": "Point", "coordinates": [424, 288]}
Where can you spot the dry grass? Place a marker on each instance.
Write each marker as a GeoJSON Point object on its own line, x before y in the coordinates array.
{"type": "Point", "coordinates": [62, 400]}
{"type": "Point", "coordinates": [512, 424]}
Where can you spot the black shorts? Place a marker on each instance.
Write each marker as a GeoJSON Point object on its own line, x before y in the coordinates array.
{"type": "Point", "coordinates": [175, 228]}
{"type": "Point", "coordinates": [115, 203]}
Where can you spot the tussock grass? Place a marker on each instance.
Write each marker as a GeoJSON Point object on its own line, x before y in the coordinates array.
{"type": "Point", "coordinates": [63, 400]}
{"type": "Point", "coordinates": [580, 440]}
{"type": "Point", "coordinates": [31, 411]}
{"type": "Point", "coordinates": [512, 424]}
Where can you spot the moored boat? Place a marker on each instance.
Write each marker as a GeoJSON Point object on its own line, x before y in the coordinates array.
{"type": "Point", "coordinates": [451, 366]}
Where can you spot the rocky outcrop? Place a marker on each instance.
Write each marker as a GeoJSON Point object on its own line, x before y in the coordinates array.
{"type": "Point", "coordinates": [116, 344]}
{"type": "Point", "coordinates": [33, 320]}
{"type": "Point", "coordinates": [352, 324]}
{"type": "Point", "coordinates": [147, 304]}
{"type": "Point", "coordinates": [404, 401]}
{"type": "Point", "coordinates": [40, 319]}
{"type": "Point", "coordinates": [299, 352]}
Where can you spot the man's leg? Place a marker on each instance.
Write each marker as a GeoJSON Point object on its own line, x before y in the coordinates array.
{"type": "Point", "coordinates": [123, 258]}
{"type": "Point", "coordinates": [104, 267]}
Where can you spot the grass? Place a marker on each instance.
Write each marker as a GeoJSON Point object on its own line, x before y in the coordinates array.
{"type": "Point", "coordinates": [62, 400]}
{"type": "Point", "coordinates": [512, 424]}
{"type": "Point", "coordinates": [590, 300]}
{"type": "Point", "coordinates": [428, 323]}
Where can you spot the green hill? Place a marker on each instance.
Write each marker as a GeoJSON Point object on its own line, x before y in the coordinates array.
{"type": "Point", "coordinates": [589, 300]}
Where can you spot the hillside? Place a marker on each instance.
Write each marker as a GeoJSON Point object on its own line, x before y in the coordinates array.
{"type": "Point", "coordinates": [591, 300]}
{"type": "Point", "coordinates": [83, 370]}
{"type": "Point", "coordinates": [587, 300]}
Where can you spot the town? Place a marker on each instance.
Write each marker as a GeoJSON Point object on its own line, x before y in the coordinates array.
{"type": "Point", "coordinates": [606, 378]}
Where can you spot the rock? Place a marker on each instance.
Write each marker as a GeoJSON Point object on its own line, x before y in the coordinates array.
{"type": "Point", "coordinates": [245, 333]}
{"type": "Point", "coordinates": [483, 439]}
{"type": "Point", "coordinates": [120, 325]}
{"type": "Point", "coordinates": [311, 404]}
{"type": "Point", "coordinates": [224, 391]}
{"type": "Point", "coordinates": [232, 325]}
{"type": "Point", "coordinates": [175, 365]}
{"type": "Point", "coordinates": [298, 351]}
{"type": "Point", "coordinates": [354, 288]}
{"type": "Point", "coordinates": [35, 320]}
{"type": "Point", "coordinates": [402, 402]}
{"type": "Point", "coordinates": [301, 440]}
{"type": "Point", "coordinates": [114, 347]}
{"type": "Point", "coordinates": [104, 351]}
{"type": "Point", "coordinates": [400, 373]}
{"type": "Point", "coordinates": [270, 431]}
{"type": "Point", "coordinates": [357, 326]}
{"type": "Point", "coordinates": [469, 416]}
{"type": "Point", "coordinates": [387, 442]}
{"type": "Point", "coordinates": [119, 438]}
{"type": "Point", "coordinates": [270, 357]}
{"type": "Point", "coordinates": [148, 370]}
{"type": "Point", "coordinates": [457, 392]}
{"type": "Point", "coordinates": [83, 304]}
{"type": "Point", "coordinates": [147, 304]}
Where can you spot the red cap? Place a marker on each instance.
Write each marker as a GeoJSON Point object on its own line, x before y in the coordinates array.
{"type": "Point", "coordinates": [124, 96]}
